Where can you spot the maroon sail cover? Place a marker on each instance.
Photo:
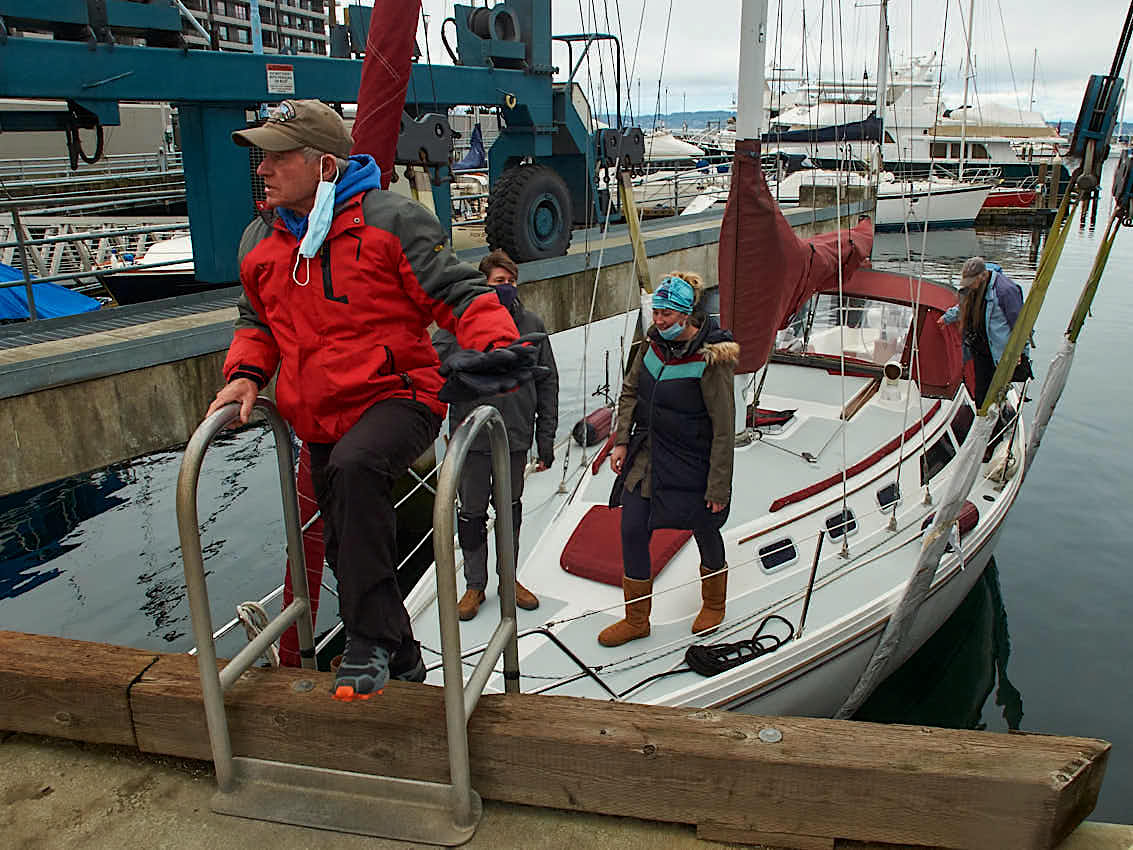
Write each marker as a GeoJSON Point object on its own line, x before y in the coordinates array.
{"type": "Point", "coordinates": [767, 272]}
{"type": "Point", "coordinates": [385, 79]}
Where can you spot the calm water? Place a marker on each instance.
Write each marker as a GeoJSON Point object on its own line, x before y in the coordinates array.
{"type": "Point", "coordinates": [1040, 645]}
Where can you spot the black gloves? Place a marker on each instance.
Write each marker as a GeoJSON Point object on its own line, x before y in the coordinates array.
{"type": "Point", "coordinates": [471, 375]}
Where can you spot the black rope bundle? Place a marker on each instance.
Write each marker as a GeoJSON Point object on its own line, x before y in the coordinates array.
{"type": "Point", "coordinates": [712, 659]}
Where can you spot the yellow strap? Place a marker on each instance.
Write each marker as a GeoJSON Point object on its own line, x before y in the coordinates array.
{"type": "Point", "coordinates": [1082, 309]}
{"type": "Point", "coordinates": [629, 210]}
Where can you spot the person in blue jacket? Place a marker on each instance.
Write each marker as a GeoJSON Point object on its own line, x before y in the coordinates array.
{"type": "Point", "coordinates": [989, 306]}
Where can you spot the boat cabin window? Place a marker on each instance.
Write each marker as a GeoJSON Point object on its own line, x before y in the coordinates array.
{"type": "Point", "coordinates": [863, 329]}
{"type": "Point", "coordinates": [778, 554]}
{"type": "Point", "coordinates": [954, 150]}
{"type": "Point", "coordinates": [977, 151]}
{"type": "Point", "coordinates": [936, 458]}
{"type": "Point", "coordinates": [962, 423]}
{"type": "Point", "coordinates": [888, 496]}
{"type": "Point", "coordinates": [889, 138]}
{"type": "Point", "coordinates": [938, 150]}
{"type": "Point", "coordinates": [841, 523]}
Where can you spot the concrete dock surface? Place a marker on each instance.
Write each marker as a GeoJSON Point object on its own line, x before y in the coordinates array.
{"type": "Point", "coordinates": [56, 793]}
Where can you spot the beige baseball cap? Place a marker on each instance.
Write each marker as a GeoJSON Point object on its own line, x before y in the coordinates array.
{"type": "Point", "coordinates": [973, 270]}
{"type": "Point", "coordinates": [298, 124]}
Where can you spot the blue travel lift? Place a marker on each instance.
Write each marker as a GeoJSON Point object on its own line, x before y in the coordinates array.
{"type": "Point", "coordinates": [543, 166]}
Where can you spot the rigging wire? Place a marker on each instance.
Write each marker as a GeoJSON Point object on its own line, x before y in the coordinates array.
{"type": "Point", "coordinates": [914, 360]}
{"type": "Point", "coordinates": [661, 73]}
{"type": "Point", "coordinates": [1010, 64]}
{"type": "Point", "coordinates": [428, 57]}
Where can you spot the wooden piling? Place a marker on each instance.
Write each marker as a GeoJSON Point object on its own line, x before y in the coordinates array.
{"type": "Point", "coordinates": [816, 781]}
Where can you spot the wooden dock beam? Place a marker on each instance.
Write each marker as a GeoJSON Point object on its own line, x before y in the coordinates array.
{"type": "Point", "coordinates": [822, 780]}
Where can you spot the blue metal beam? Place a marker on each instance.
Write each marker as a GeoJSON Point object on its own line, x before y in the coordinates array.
{"type": "Point", "coordinates": [41, 68]}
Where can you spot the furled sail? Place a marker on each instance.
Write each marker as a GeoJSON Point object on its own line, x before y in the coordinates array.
{"type": "Point", "coordinates": [767, 272]}
{"type": "Point", "coordinates": [385, 79]}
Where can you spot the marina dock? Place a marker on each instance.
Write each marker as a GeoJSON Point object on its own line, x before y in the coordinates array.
{"type": "Point", "coordinates": [790, 782]}
{"type": "Point", "coordinates": [102, 797]}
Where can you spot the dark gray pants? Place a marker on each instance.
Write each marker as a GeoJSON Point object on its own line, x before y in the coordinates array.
{"type": "Point", "coordinates": [475, 490]}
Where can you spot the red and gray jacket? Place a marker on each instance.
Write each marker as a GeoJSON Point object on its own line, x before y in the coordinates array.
{"type": "Point", "coordinates": [355, 332]}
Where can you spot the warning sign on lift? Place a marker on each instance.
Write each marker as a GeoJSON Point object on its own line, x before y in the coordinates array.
{"type": "Point", "coordinates": [281, 79]}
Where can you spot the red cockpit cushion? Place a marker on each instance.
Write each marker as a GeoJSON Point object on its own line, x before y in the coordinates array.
{"type": "Point", "coordinates": [594, 550]}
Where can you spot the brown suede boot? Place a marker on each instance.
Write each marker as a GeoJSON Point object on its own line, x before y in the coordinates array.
{"type": "Point", "coordinates": [714, 592]}
{"type": "Point", "coordinates": [469, 603]}
{"type": "Point", "coordinates": [525, 599]}
{"type": "Point", "coordinates": [636, 622]}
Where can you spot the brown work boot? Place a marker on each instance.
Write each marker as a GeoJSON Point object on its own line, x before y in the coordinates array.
{"type": "Point", "coordinates": [524, 598]}
{"type": "Point", "coordinates": [639, 601]}
{"type": "Point", "coordinates": [469, 603]}
{"type": "Point", "coordinates": [713, 592]}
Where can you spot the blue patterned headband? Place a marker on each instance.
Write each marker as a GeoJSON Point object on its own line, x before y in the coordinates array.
{"type": "Point", "coordinates": [674, 293]}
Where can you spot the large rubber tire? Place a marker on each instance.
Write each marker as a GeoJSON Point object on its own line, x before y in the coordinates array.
{"type": "Point", "coordinates": [529, 213]}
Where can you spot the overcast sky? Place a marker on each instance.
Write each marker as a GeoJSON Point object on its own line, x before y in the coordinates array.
{"type": "Point", "coordinates": [1073, 41]}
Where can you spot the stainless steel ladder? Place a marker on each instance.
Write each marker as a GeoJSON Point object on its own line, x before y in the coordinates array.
{"type": "Point", "coordinates": [386, 806]}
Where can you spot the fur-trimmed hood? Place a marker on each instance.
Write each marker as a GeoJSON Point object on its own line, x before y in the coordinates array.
{"type": "Point", "coordinates": [721, 352]}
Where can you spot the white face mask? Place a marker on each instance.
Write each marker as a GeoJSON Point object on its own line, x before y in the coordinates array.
{"type": "Point", "coordinates": [318, 225]}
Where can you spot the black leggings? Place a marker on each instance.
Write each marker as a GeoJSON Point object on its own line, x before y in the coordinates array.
{"type": "Point", "coordinates": [636, 535]}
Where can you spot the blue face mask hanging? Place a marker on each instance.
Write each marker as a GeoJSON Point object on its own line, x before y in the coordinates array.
{"type": "Point", "coordinates": [672, 332]}
{"type": "Point", "coordinates": [318, 225]}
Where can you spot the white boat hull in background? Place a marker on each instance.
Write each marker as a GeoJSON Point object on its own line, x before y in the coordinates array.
{"type": "Point", "coordinates": [916, 203]}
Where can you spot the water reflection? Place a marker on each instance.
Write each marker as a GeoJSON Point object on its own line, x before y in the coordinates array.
{"type": "Point", "coordinates": [948, 681]}
{"type": "Point", "coordinates": [36, 526]}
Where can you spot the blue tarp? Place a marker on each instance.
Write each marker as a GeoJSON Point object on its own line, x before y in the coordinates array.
{"type": "Point", "coordinates": [476, 156]}
{"type": "Point", "coordinates": [51, 299]}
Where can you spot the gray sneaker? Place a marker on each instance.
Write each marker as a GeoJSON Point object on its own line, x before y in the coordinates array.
{"type": "Point", "coordinates": [364, 670]}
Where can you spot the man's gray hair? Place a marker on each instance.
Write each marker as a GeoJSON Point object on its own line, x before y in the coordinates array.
{"type": "Point", "coordinates": [310, 154]}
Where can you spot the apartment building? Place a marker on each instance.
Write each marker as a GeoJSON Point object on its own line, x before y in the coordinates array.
{"type": "Point", "coordinates": [288, 26]}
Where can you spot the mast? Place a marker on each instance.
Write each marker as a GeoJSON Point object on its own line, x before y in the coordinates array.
{"type": "Point", "coordinates": [882, 76]}
{"type": "Point", "coordinates": [1124, 134]}
{"type": "Point", "coordinates": [967, 76]}
{"type": "Point", "coordinates": [753, 55]}
{"type": "Point", "coordinates": [1034, 65]}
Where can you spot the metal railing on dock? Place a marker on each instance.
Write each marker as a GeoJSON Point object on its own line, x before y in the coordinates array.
{"type": "Point", "coordinates": [391, 807]}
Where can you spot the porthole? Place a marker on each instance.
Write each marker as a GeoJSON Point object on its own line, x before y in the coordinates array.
{"type": "Point", "coordinates": [962, 423]}
{"type": "Point", "coordinates": [936, 458]}
{"type": "Point", "coordinates": [778, 554]}
{"type": "Point", "coordinates": [841, 523]}
{"type": "Point", "coordinates": [888, 496]}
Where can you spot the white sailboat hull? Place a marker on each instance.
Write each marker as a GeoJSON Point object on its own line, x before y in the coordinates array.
{"type": "Point", "coordinates": [854, 594]}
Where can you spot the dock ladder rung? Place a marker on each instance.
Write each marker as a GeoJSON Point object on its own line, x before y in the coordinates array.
{"type": "Point", "coordinates": [347, 801]}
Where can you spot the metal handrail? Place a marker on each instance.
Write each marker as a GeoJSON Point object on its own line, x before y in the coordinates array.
{"type": "Point", "coordinates": [92, 235]}
{"type": "Point", "coordinates": [98, 272]}
{"type": "Point", "coordinates": [461, 699]}
{"type": "Point", "coordinates": [215, 682]}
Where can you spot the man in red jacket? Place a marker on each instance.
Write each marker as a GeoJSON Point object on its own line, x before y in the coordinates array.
{"type": "Point", "coordinates": [341, 281]}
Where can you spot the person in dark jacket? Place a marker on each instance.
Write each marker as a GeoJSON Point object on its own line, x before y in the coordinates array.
{"type": "Point", "coordinates": [341, 281]}
{"type": "Point", "coordinates": [531, 414]}
{"type": "Point", "coordinates": [673, 451]}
